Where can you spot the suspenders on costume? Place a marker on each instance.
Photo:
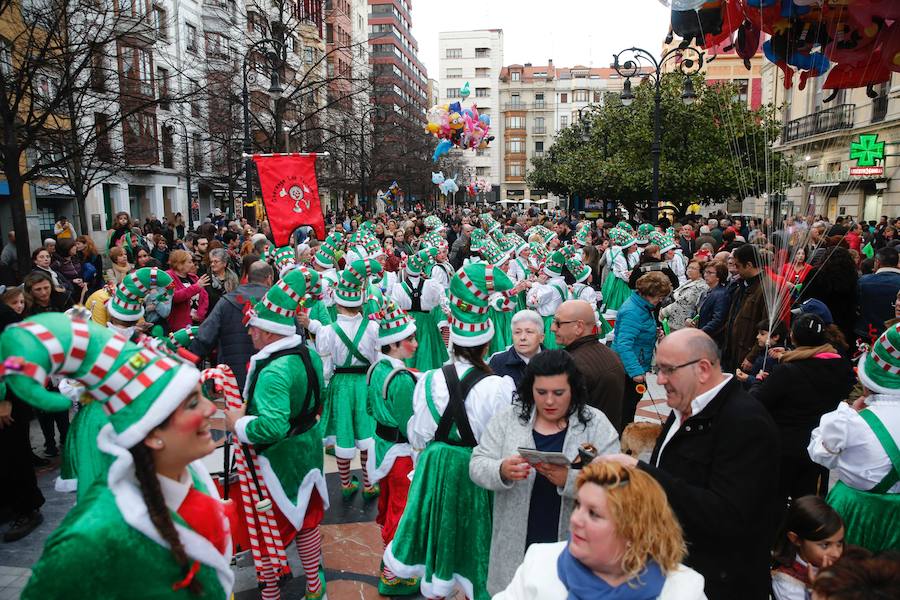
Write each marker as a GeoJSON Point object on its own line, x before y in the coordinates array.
{"type": "Point", "coordinates": [415, 294]}
{"type": "Point", "coordinates": [890, 447]}
{"type": "Point", "coordinates": [455, 413]}
{"type": "Point", "coordinates": [352, 350]}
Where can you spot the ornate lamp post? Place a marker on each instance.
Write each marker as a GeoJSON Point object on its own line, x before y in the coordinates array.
{"type": "Point", "coordinates": [637, 62]}
{"type": "Point", "coordinates": [275, 90]}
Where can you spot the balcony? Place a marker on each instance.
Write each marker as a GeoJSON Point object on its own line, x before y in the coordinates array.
{"type": "Point", "coordinates": [831, 119]}
{"type": "Point", "coordinates": [515, 106]}
{"type": "Point", "coordinates": [879, 108]}
{"type": "Point", "coordinates": [539, 130]}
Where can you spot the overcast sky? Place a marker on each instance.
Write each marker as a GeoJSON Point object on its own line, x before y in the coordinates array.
{"type": "Point", "coordinates": [570, 32]}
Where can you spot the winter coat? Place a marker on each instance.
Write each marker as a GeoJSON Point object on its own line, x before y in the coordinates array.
{"type": "Point", "coordinates": [504, 435]}
{"type": "Point", "coordinates": [713, 313]}
{"type": "Point", "coordinates": [720, 474]}
{"type": "Point", "coordinates": [747, 309]}
{"type": "Point", "coordinates": [635, 335]}
{"type": "Point", "coordinates": [834, 282]}
{"type": "Point", "coordinates": [604, 376]}
{"type": "Point", "coordinates": [649, 266]}
{"type": "Point", "coordinates": [687, 299]}
{"type": "Point", "coordinates": [224, 329]}
{"type": "Point", "coordinates": [181, 317]}
{"type": "Point", "coordinates": [876, 294]}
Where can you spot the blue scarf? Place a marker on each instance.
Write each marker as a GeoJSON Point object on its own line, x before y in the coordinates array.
{"type": "Point", "coordinates": [582, 584]}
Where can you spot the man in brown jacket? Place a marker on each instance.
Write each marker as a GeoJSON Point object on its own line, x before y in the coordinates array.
{"type": "Point", "coordinates": [748, 308]}
{"type": "Point", "coordinates": [604, 375]}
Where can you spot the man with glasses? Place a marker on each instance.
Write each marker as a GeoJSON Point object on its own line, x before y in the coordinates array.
{"type": "Point", "coordinates": [576, 330]}
{"type": "Point", "coordinates": [717, 460]}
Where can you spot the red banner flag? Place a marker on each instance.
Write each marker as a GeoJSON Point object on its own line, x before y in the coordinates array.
{"type": "Point", "coordinates": [290, 194]}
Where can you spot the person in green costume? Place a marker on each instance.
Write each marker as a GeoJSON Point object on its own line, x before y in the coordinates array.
{"type": "Point", "coordinates": [279, 420]}
{"type": "Point", "coordinates": [444, 534]}
{"type": "Point", "coordinates": [548, 292]}
{"type": "Point", "coordinates": [623, 258]}
{"type": "Point", "coordinates": [861, 444]}
{"type": "Point", "coordinates": [156, 520]}
{"type": "Point", "coordinates": [349, 346]}
{"type": "Point", "coordinates": [324, 261]}
{"type": "Point", "coordinates": [391, 387]}
{"type": "Point", "coordinates": [419, 294]}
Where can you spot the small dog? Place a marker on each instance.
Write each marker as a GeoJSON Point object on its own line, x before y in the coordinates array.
{"type": "Point", "coordinates": [638, 439]}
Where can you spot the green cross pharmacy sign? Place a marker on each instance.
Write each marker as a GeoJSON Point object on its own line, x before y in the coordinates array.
{"type": "Point", "coordinates": [867, 151]}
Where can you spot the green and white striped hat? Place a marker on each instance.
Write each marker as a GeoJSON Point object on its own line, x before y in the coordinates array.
{"type": "Point", "coordinates": [554, 264]}
{"type": "Point", "coordinates": [470, 291]}
{"type": "Point", "coordinates": [621, 238]}
{"type": "Point", "coordinates": [394, 324]}
{"type": "Point", "coordinates": [434, 240]}
{"type": "Point", "coordinates": [276, 312]}
{"type": "Point", "coordinates": [644, 231]}
{"type": "Point", "coordinates": [476, 240]}
{"type": "Point", "coordinates": [284, 258]}
{"type": "Point", "coordinates": [581, 235]}
{"type": "Point", "coordinates": [421, 262]}
{"type": "Point", "coordinates": [540, 251]}
{"type": "Point", "coordinates": [354, 280]}
{"type": "Point", "coordinates": [492, 253]}
{"type": "Point", "coordinates": [879, 369]}
{"type": "Point", "coordinates": [128, 302]}
{"type": "Point", "coordinates": [578, 269]}
{"type": "Point", "coordinates": [139, 388]}
{"type": "Point", "coordinates": [664, 242]}
{"type": "Point", "coordinates": [626, 226]}
{"type": "Point", "coordinates": [181, 338]}
{"type": "Point", "coordinates": [328, 250]}
{"type": "Point", "coordinates": [433, 223]}
{"type": "Point", "coordinates": [516, 244]}
{"type": "Point", "coordinates": [545, 234]}
{"type": "Point", "coordinates": [489, 223]}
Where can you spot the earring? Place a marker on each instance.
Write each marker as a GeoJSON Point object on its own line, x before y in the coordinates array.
{"type": "Point", "coordinates": [159, 443]}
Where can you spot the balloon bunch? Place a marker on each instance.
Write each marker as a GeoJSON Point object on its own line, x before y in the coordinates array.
{"type": "Point", "coordinates": [857, 42]}
{"type": "Point", "coordinates": [449, 187]}
{"type": "Point", "coordinates": [458, 127]}
{"type": "Point", "coordinates": [478, 185]}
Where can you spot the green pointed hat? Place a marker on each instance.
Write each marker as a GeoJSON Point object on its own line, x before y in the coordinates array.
{"type": "Point", "coordinates": [621, 238]}
{"type": "Point", "coordinates": [578, 269]}
{"type": "Point", "coordinates": [363, 245]}
{"type": "Point", "coordinates": [276, 312]}
{"type": "Point", "coordinates": [325, 255]}
{"type": "Point", "coordinates": [489, 223]}
{"type": "Point", "coordinates": [128, 302]}
{"type": "Point", "coordinates": [554, 264]}
{"type": "Point", "coordinates": [664, 242]}
{"type": "Point", "coordinates": [434, 240]}
{"type": "Point", "coordinates": [644, 231]}
{"type": "Point", "coordinates": [139, 388]}
{"type": "Point", "coordinates": [492, 253]}
{"type": "Point", "coordinates": [352, 285]}
{"type": "Point", "coordinates": [476, 240]}
{"type": "Point", "coordinates": [284, 258]}
{"type": "Point", "coordinates": [545, 234]}
{"type": "Point", "coordinates": [433, 223]}
{"type": "Point", "coordinates": [470, 291]}
{"type": "Point", "coordinates": [506, 244]}
{"type": "Point", "coordinates": [581, 236]}
{"type": "Point", "coordinates": [626, 226]}
{"type": "Point", "coordinates": [421, 262]}
{"type": "Point", "coordinates": [515, 243]}
{"type": "Point", "coordinates": [540, 251]}
{"type": "Point", "coordinates": [394, 324]}
{"type": "Point", "coordinates": [879, 369]}
{"type": "Point", "coordinates": [181, 338]}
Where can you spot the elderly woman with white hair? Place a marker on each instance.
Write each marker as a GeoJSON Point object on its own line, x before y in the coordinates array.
{"type": "Point", "coordinates": [528, 338]}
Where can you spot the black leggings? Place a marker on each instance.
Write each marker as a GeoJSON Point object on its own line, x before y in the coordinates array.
{"type": "Point", "coordinates": [47, 420]}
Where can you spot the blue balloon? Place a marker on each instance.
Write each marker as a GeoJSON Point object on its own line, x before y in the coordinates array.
{"type": "Point", "coordinates": [486, 119]}
{"type": "Point", "coordinates": [443, 147]}
{"type": "Point", "coordinates": [455, 107]}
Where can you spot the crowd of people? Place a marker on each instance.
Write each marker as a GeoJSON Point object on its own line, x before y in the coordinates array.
{"type": "Point", "coordinates": [487, 369]}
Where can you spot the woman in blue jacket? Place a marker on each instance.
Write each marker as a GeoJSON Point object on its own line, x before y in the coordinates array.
{"type": "Point", "coordinates": [636, 333]}
{"type": "Point", "coordinates": [713, 311]}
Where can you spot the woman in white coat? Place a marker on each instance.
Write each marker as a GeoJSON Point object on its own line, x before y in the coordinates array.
{"type": "Point", "coordinates": [533, 502]}
{"type": "Point", "coordinates": [625, 543]}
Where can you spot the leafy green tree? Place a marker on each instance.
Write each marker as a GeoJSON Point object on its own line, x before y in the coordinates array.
{"type": "Point", "coordinates": [712, 150]}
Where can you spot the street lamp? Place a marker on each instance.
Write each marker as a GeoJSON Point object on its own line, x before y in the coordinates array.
{"type": "Point", "coordinates": [640, 62]}
{"type": "Point", "coordinates": [275, 90]}
{"type": "Point", "coordinates": [187, 165]}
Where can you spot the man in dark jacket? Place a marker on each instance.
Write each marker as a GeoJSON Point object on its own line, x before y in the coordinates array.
{"type": "Point", "coordinates": [876, 294]}
{"type": "Point", "coordinates": [717, 460]}
{"type": "Point", "coordinates": [687, 242]}
{"type": "Point", "coordinates": [224, 328]}
{"type": "Point", "coordinates": [527, 335]}
{"type": "Point", "coordinates": [747, 308]}
{"type": "Point", "coordinates": [602, 369]}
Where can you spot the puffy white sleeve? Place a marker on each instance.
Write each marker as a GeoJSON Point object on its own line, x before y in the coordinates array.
{"type": "Point", "coordinates": [432, 294]}
{"type": "Point", "coordinates": [400, 298]}
{"type": "Point", "coordinates": [832, 436]}
{"type": "Point", "coordinates": [421, 427]}
{"type": "Point", "coordinates": [325, 341]}
{"type": "Point", "coordinates": [540, 295]}
{"type": "Point", "coordinates": [588, 294]}
{"type": "Point", "coordinates": [620, 267]}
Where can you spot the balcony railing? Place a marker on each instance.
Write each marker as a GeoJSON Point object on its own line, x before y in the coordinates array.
{"type": "Point", "coordinates": [879, 108]}
{"type": "Point", "coordinates": [540, 130]}
{"type": "Point", "coordinates": [515, 106]}
{"type": "Point", "coordinates": [831, 119]}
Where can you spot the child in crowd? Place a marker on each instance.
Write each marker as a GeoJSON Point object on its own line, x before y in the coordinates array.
{"type": "Point", "coordinates": [767, 340]}
{"type": "Point", "coordinates": [812, 538]}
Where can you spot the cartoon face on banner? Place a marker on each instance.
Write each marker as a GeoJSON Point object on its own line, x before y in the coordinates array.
{"type": "Point", "coordinates": [293, 189]}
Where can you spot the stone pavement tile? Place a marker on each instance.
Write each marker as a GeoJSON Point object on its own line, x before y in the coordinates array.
{"type": "Point", "coordinates": [355, 510]}
{"type": "Point", "coordinates": [347, 590]}
{"type": "Point", "coordinates": [352, 547]}
{"type": "Point", "coordinates": [10, 593]}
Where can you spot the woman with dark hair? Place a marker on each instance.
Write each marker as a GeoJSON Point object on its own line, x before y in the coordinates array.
{"type": "Point", "coordinates": [159, 506]}
{"type": "Point", "coordinates": [806, 383]}
{"type": "Point", "coordinates": [40, 261]}
{"type": "Point", "coordinates": [70, 268]}
{"type": "Point", "coordinates": [833, 280]}
{"type": "Point", "coordinates": [713, 310]}
{"type": "Point", "coordinates": [91, 263]}
{"type": "Point", "coordinates": [533, 501]}
{"type": "Point", "coordinates": [444, 535]}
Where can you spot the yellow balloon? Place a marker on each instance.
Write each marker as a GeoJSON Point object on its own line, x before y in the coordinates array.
{"type": "Point", "coordinates": [433, 127]}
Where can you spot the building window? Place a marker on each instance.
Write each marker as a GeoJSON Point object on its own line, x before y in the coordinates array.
{"type": "Point", "coordinates": [539, 148]}
{"type": "Point", "coordinates": [453, 92]}
{"type": "Point", "coordinates": [539, 125]}
{"type": "Point", "coordinates": [483, 72]}
{"type": "Point", "coordinates": [515, 100]}
{"type": "Point", "coordinates": [168, 148]}
{"type": "Point", "coordinates": [454, 73]}
{"type": "Point", "coordinates": [162, 76]}
{"type": "Point", "coordinates": [160, 24]}
{"type": "Point", "coordinates": [101, 133]}
{"type": "Point", "coordinates": [581, 96]}
{"type": "Point", "coordinates": [6, 66]}
{"type": "Point", "coordinates": [482, 52]}
{"type": "Point", "coordinates": [482, 92]}
{"type": "Point", "coordinates": [46, 86]}
{"type": "Point", "coordinates": [195, 99]}
{"type": "Point", "coordinates": [564, 121]}
{"type": "Point", "coordinates": [741, 94]}
{"type": "Point", "coordinates": [515, 170]}
{"type": "Point", "coordinates": [515, 146]}
{"type": "Point", "coordinates": [597, 97]}
{"type": "Point", "coordinates": [483, 171]}
{"type": "Point", "coordinates": [191, 38]}
{"type": "Point", "coordinates": [98, 74]}
{"type": "Point", "coordinates": [197, 144]}
{"type": "Point", "coordinates": [515, 76]}
{"type": "Point", "coordinates": [564, 98]}
{"type": "Point", "coordinates": [139, 136]}
{"type": "Point", "coordinates": [483, 152]}
{"type": "Point", "coordinates": [539, 100]}
{"type": "Point", "coordinates": [308, 55]}
{"type": "Point", "coordinates": [515, 122]}
{"type": "Point", "coordinates": [454, 53]}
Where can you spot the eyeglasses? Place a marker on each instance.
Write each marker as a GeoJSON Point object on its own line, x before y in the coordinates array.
{"type": "Point", "coordinates": [669, 371]}
{"type": "Point", "coordinates": [559, 323]}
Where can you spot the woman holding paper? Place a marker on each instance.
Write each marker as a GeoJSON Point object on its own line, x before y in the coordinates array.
{"type": "Point", "coordinates": [533, 500]}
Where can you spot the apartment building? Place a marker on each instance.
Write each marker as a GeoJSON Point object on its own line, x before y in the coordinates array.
{"type": "Point", "coordinates": [536, 103]}
{"type": "Point", "coordinates": [474, 58]}
{"type": "Point", "coordinates": [845, 146]}
{"type": "Point", "coordinates": [401, 81]}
